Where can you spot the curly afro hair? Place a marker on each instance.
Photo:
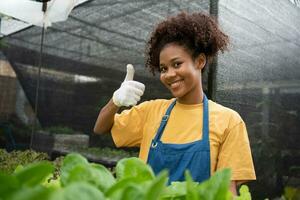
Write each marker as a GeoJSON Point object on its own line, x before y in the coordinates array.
{"type": "Point", "coordinates": [197, 32]}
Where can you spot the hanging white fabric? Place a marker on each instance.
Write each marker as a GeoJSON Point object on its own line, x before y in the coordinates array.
{"type": "Point", "coordinates": [31, 11]}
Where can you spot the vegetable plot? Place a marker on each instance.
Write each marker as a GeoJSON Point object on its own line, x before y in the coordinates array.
{"type": "Point", "coordinates": [133, 179]}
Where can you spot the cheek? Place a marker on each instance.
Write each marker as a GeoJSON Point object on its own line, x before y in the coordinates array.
{"type": "Point", "coordinates": [161, 78]}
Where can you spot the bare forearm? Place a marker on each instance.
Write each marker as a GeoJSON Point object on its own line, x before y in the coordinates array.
{"type": "Point", "coordinates": [105, 118]}
{"type": "Point", "coordinates": [233, 187]}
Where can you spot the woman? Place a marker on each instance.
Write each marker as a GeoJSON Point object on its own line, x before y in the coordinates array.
{"type": "Point", "coordinates": [188, 131]}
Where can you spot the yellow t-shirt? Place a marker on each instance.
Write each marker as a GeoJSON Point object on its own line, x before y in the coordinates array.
{"type": "Point", "coordinates": [229, 143]}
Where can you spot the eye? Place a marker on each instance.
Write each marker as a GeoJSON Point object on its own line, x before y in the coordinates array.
{"type": "Point", "coordinates": [177, 64]}
{"type": "Point", "coordinates": [162, 69]}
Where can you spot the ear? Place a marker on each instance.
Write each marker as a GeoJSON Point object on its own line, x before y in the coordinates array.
{"type": "Point", "coordinates": [200, 61]}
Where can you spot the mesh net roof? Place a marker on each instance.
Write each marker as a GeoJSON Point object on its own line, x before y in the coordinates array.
{"type": "Point", "coordinates": [108, 34]}
{"type": "Point", "coordinates": [85, 57]}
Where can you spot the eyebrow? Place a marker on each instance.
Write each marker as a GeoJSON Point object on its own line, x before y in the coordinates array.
{"type": "Point", "coordinates": [172, 60]}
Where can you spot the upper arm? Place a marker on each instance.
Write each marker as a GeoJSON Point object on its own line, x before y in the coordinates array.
{"type": "Point", "coordinates": [127, 129]}
{"type": "Point", "coordinates": [235, 153]}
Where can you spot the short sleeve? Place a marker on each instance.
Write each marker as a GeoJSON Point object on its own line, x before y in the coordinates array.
{"type": "Point", "coordinates": [235, 153]}
{"type": "Point", "coordinates": [127, 129]}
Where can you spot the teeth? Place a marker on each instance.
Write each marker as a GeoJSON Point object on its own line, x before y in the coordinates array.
{"type": "Point", "coordinates": [175, 84]}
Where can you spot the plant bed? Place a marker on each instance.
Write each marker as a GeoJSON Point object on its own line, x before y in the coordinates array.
{"type": "Point", "coordinates": [103, 140]}
{"type": "Point", "coordinates": [105, 156]}
{"type": "Point", "coordinates": [47, 142]}
{"type": "Point", "coordinates": [10, 160]}
{"type": "Point", "coordinates": [62, 144]}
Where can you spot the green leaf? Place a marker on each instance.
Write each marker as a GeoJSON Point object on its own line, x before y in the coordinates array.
{"type": "Point", "coordinates": [106, 179]}
{"type": "Point", "coordinates": [80, 191]}
{"type": "Point", "coordinates": [52, 183]}
{"type": "Point", "coordinates": [34, 173]}
{"type": "Point", "coordinates": [33, 193]}
{"type": "Point", "coordinates": [94, 174]}
{"type": "Point", "coordinates": [116, 191]}
{"type": "Point", "coordinates": [133, 167]}
{"type": "Point", "coordinates": [217, 185]}
{"type": "Point", "coordinates": [18, 168]}
{"type": "Point", "coordinates": [132, 192]}
{"type": "Point", "coordinates": [157, 186]}
{"type": "Point", "coordinates": [69, 163]}
{"type": "Point", "coordinates": [291, 193]}
{"type": "Point", "coordinates": [244, 193]}
{"type": "Point", "coordinates": [10, 186]}
{"type": "Point", "coordinates": [182, 197]}
{"type": "Point", "coordinates": [191, 188]}
{"type": "Point", "coordinates": [177, 190]}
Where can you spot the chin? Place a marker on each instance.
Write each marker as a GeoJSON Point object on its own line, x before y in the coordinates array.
{"type": "Point", "coordinates": [177, 94]}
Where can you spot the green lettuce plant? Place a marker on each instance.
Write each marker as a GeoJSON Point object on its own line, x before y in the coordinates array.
{"type": "Point", "coordinates": [133, 180]}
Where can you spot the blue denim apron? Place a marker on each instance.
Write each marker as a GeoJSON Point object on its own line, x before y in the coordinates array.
{"type": "Point", "coordinates": [177, 158]}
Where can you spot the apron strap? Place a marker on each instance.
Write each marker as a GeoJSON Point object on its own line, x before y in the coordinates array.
{"type": "Point", "coordinates": [205, 129]}
{"type": "Point", "coordinates": [164, 121]}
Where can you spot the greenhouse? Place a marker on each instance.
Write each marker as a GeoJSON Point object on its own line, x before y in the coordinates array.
{"type": "Point", "coordinates": [62, 70]}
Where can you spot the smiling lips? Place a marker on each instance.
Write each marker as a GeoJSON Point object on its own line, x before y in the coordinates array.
{"type": "Point", "coordinates": [175, 84]}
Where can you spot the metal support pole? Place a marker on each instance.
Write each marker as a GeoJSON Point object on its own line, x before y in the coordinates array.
{"type": "Point", "coordinates": [212, 71]}
{"type": "Point", "coordinates": [44, 8]}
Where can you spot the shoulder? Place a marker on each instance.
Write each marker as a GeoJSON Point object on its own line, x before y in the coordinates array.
{"type": "Point", "coordinates": [227, 123]}
{"type": "Point", "coordinates": [157, 103]}
{"type": "Point", "coordinates": [224, 113]}
{"type": "Point", "coordinates": [149, 106]}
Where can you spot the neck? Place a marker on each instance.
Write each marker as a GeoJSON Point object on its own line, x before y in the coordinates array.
{"type": "Point", "coordinates": [192, 99]}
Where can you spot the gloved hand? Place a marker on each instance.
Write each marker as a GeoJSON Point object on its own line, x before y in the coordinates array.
{"type": "Point", "coordinates": [130, 91]}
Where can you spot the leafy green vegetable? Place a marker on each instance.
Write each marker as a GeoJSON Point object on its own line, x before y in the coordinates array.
{"type": "Point", "coordinates": [96, 175]}
{"type": "Point", "coordinates": [69, 163]}
{"type": "Point", "coordinates": [76, 168]}
{"type": "Point", "coordinates": [177, 190]}
{"type": "Point", "coordinates": [34, 174]}
{"type": "Point", "coordinates": [32, 193]}
{"type": "Point", "coordinates": [79, 179]}
{"type": "Point", "coordinates": [18, 168]}
{"type": "Point", "coordinates": [244, 193]}
{"type": "Point", "coordinates": [291, 193]}
{"type": "Point", "coordinates": [11, 185]}
{"type": "Point", "coordinates": [191, 188]}
{"type": "Point", "coordinates": [106, 179]}
{"type": "Point", "coordinates": [116, 191]}
{"type": "Point", "coordinates": [218, 185]}
{"type": "Point", "coordinates": [133, 167]}
{"type": "Point", "coordinates": [80, 190]}
{"type": "Point", "coordinates": [52, 183]}
{"type": "Point", "coordinates": [132, 192]}
{"type": "Point", "coordinates": [157, 186]}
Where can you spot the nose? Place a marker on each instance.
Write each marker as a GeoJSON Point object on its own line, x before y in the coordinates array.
{"type": "Point", "coordinates": [170, 73]}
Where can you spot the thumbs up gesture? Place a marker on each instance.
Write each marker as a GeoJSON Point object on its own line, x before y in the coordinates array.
{"type": "Point", "coordinates": [130, 91]}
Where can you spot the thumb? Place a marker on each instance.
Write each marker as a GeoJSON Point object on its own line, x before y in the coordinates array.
{"type": "Point", "coordinates": [130, 73]}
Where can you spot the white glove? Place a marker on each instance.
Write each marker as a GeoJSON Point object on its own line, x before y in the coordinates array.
{"type": "Point", "coordinates": [130, 91]}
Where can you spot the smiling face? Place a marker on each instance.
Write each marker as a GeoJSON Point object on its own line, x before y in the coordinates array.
{"type": "Point", "coordinates": [181, 74]}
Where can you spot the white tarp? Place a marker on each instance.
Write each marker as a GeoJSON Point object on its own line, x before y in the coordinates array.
{"type": "Point", "coordinates": [31, 11]}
